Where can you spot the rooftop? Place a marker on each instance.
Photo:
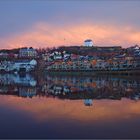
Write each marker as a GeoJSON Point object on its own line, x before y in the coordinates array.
{"type": "Point", "coordinates": [88, 40]}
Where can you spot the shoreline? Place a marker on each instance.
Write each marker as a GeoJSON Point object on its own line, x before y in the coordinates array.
{"type": "Point", "coordinates": [94, 72]}
{"type": "Point", "coordinates": [129, 72]}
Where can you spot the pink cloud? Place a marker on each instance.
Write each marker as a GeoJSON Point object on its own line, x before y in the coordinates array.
{"type": "Point", "coordinates": [47, 35]}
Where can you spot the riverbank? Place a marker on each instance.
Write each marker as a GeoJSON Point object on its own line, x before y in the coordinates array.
{"type": "Point", "coordinates": [94, 72]}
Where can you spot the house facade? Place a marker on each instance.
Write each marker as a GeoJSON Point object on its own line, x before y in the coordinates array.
{"type": "Point", "coordinates": [88, 43]}
{"type": "Point", "coordinates": [27, 53]}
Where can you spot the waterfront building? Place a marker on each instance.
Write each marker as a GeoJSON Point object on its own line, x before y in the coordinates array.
{"type": "Point", "coordinates": [25, 64]}
{"type": "Point", "coordinates": [56, 55]}
{"type": "Point", "coordinates": [3, 55]}
{"type": "Point", "coordinates": [66, 56]}
{"type": "Point", "coordinates": [27, 53]}
{"type": "Point", "coordinates": [17, 65]}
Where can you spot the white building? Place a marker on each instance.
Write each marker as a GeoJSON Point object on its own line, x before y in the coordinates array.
{"type": "Point", "coordinates": [28, 52]}
{"type": "Point", "coordinates": [27, 65]}
{"type": "Point", "coordinates": [56, 55]}
{"type": "Point", "coordinates": [88, 43]}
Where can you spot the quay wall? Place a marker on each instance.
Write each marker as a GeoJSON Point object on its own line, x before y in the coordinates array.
{"type": "Point", "coordinates": [93, 72]}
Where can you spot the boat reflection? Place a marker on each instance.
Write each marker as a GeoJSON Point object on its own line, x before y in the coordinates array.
{"type": "Point", "coordinates": [72, 88]}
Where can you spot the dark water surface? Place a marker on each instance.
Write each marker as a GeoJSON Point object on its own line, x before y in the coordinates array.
{"type": "Point", "coordinates": [69, 107]}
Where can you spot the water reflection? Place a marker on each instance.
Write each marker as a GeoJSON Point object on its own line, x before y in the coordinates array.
{"type": "Point", "coordinates": [19, 85]}
{"type": "Point", "coordinates": [72, 88]}
{"type": "Point", "coordinates": [92, 88]}
{"type": "Point", "coordinates": [107, 106]}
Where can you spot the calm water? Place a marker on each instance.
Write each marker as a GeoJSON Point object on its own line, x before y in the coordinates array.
{"type": "Point", "coordinates": [69, 107]}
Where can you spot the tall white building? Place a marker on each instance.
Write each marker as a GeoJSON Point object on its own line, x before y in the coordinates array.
{"type": "Point", "coordinates": [88, 43]}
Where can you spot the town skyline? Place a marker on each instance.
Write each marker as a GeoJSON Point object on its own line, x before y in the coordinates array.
{"type": "Point", "coordinates": [43, 24]}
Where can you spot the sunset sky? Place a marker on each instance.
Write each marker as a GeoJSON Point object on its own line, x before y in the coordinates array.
{"type": "Point", "coordinates": [48, 23]}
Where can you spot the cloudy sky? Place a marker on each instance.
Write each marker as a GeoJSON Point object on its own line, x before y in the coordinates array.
{"type": "Point", "coordinates": [48, 23]}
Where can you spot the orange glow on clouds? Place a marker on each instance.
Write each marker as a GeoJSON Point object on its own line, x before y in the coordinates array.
{"type": "Point", "coordinates": [47, 35]}
{"type": "Point", "coordinates": [43, 109]}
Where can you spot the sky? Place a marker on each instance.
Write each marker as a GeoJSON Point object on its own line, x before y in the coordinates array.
{"type": "Point", "coordinates": [52, 23]}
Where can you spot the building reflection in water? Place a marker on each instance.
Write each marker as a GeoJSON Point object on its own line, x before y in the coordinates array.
{"type": "Point", "coordinates": [88, 88]}
{"type": "Point", "coordinates": [18, 85]}
{"type": "Point", "coordinates": [72, 88]}
{"type": "Point", "coordinates": [88, 102]}
{"type": "Point", "coordinates": [69, 104]}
